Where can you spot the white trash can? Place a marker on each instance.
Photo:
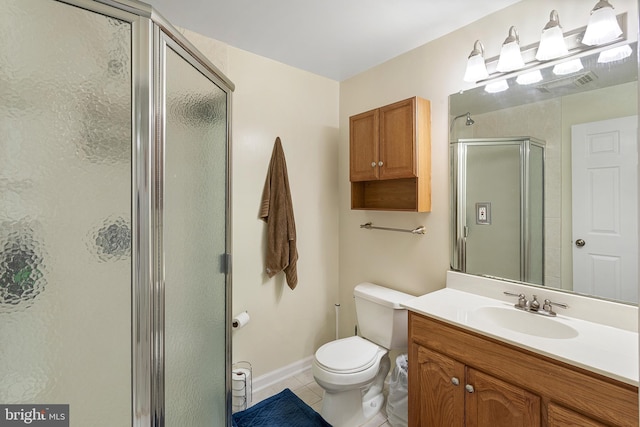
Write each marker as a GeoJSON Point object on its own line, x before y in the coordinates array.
{"type": "Point", "coordinates": [398, 398]}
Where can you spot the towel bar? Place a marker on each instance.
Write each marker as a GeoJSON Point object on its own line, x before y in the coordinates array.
{"type": "Point", "coordinates": [370, 226]}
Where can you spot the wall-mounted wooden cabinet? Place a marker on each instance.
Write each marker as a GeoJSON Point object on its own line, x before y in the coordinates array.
{"type": "Point", "coordinates": [459, 378]}
{"type": "Point", "coordinates": [390, 157]}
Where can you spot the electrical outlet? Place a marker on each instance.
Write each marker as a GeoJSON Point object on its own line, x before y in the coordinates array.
{"type": "Point", "coordinates": [483, 213]}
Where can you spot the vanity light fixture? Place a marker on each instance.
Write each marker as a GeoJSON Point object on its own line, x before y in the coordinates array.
{"type": "Point", "coordinates": [568, 67]}
{"type": "Point", "coordinates": [510, 55]}
{"type": "Point", "coordinates": [615, 54]}
{"type": "Point", "coordinates": [555, 48]}
{"type": "Point", "coordinates": [529, 78]}
{"type": "Point", "coordinates": [603, 26]}
{"type": "Point", "coordinates": [495, 87]}
{"type": "Point", "coordinates": [552, 43]}
{"type": "Point", "coordinates": [476, 67]}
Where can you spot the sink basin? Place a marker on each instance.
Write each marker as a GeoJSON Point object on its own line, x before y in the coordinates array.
{"type": "Point", "coordinates": [525, 323]}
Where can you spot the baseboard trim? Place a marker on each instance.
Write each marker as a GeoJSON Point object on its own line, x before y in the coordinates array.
{"type": "Point", "coordinates": [270, 378]}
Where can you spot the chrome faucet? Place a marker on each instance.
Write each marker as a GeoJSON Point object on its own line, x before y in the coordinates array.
{"type": "Point", "coordinates": [533, 306]}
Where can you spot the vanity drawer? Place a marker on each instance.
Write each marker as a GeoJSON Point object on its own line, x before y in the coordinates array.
{"type": "Point", "coordinates": [589, 394]}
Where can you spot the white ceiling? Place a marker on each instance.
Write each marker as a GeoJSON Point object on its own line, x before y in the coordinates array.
{"type": "Point", "coordinates": [333, 38]}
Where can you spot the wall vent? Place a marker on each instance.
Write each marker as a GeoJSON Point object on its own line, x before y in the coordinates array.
{"type": "Point", "coordinates": [576, 80]}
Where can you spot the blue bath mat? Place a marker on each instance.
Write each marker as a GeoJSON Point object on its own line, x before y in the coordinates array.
{"type": "Point", "coordinates": [281, 410]}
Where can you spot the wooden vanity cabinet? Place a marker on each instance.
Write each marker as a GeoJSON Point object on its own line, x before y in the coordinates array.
{"type": "Point", "coordinates": [459, 378]}
{"type": "Point", "coordinates": [390, 157]}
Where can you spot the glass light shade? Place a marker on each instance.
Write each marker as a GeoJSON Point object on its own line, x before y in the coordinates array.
{"type": "Point", "coordinates": [552, 44]}
{"type": "Point", "coordinates": [616, 54]}
{"type": "Point", "coordinates": [568, 67]}
{"type": "Point", "coordinates": [476, 69]}
{"type": "Point", "coordinates": [602, 27]}
{"type": "Point", "coordinates": [510, 57]}
{"type": "Point", "coordinates": [496, 87]}
{"type": "Point", "coordinates": [529, 78]}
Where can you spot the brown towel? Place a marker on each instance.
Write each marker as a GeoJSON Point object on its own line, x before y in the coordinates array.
{"type": "Point", "coordinates": [277, 211]}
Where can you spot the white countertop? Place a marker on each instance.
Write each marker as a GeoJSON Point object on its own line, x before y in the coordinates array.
{"type": "Point", "coordinates": [597, 347]}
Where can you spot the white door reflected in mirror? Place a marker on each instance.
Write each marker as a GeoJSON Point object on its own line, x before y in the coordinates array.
{"type": "Point", "coordinates": [604, 205]}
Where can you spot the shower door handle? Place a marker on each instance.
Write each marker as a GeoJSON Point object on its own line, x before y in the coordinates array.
{"type": "Point", "coordinates": [580, 243]}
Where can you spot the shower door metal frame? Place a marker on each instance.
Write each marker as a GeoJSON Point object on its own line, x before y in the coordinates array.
{"type": "Point", "coordinates": [148, 29]}
{"type": "Point", "coordinates": [162, 42]}
{"type": "Point", "coordinates": [458, 198]}
{"type": "Point", "coordinates": [165, 36]}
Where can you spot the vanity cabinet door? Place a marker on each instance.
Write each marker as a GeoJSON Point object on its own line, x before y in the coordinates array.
{"type": "Point", "coordinates": [448, 393]}
{"type": "Point", "coordinates": [493, 402]}
{"type": "Point", "coordinates": [563, 417]}
{"type": "Point", "coordinates": [439, 390]}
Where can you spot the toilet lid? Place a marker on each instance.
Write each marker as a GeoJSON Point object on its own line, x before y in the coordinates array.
{"type": "Point", "coordinates": [347, 355]}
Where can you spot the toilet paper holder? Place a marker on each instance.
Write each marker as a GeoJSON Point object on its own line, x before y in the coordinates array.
{"type": "Point", "coordinates": [240, 320]}
{"type": "Point", "coordinates": [241, 388]}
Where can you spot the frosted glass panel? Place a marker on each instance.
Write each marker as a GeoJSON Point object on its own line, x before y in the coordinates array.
{"type": "Point", "coordinates": [493, 176]}
{"type": "Point", "coordinates": [194, 242]}
{"type": "Point", "coordinates": [65, 210]}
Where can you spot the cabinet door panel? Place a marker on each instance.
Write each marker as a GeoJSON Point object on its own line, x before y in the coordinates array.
{"type": "Point", "coordinates": [364, 146]}
{"type": "Point", "coordinates": [495, 403]}
{"type": "Point", "coordinates": [441, 400]}
{"type": "Point", "coordinates": [563, 417]}
{"type": "Point", "coordinates": [398, 140]}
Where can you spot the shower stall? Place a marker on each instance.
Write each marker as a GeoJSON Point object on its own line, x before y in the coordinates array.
{"type": "Point", "coordinates": [497, 205]}
{"type": "Point", "coordinates": [114, 217]}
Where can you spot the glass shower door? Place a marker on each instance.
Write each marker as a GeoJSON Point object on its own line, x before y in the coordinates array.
{"type": "Point", "coordinates": [195, 244]}
{"type": "Point", "coordinates": [65, 210]}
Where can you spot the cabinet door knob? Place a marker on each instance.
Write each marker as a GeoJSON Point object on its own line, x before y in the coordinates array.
{"type": "Point", "coordinates": [373, 164]}
{"type": "Point", "coordinates": [469, 388]}
{"type": "Point", "coordinates": [455, 381]}
{"type": "Point", "coordinates": [380, 163]}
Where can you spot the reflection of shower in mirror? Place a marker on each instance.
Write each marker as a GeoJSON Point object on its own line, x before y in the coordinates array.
{"type": "Point", "coordinates": [468, 122]}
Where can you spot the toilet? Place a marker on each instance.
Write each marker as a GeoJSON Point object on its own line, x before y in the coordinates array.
{"type": "Point", "coordinates": [352, 370]}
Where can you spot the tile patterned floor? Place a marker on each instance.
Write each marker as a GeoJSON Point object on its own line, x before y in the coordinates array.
{"type": "Point", "coordinates": [305, 387]}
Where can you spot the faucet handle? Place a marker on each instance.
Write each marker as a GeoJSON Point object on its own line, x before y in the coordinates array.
{"type": "Point", "coordinates": [548, 306]}
{"type": "Point", "coordinates": [522, 299]}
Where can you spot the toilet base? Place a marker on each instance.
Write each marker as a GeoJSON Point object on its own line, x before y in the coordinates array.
{"type": "Point", "coordinates": [347, 409]}
{"type": "Point", "coordinates": [355, 407]}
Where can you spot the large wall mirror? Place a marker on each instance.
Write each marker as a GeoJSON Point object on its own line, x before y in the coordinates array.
{"type": "Point", "coordinates": [574, 198]}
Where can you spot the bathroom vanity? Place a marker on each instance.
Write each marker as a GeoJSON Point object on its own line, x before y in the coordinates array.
{"type": "Point", "coordinates": [478, 361]}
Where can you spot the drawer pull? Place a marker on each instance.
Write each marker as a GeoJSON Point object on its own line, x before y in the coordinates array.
{"type": "Point", "coordinates": [469, 388]}
{"type": "Point", "coordinates": [455, 381]}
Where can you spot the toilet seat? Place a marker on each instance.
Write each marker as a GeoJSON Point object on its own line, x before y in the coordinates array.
{"type": "Point", "coordinates": [348, 355]}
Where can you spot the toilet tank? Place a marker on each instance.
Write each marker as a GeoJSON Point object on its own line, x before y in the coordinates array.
{"type": "Point", "coordinates": [381, 319]}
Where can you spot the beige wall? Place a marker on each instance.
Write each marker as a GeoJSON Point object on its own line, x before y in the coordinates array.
{"type": "Point", "coordinates": [310, 114]}
{"type": "Point", "coordinates": [270, 100]}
